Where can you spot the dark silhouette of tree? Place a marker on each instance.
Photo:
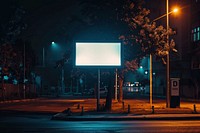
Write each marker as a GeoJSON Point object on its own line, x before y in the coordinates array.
{"type": "Point", "coordinates": [12, 48]}
{"type": "Point", "coordinates": [14, 26]}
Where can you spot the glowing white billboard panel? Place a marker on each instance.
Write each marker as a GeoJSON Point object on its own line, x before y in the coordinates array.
{"type": "Point", "coordinates": [98, 54]}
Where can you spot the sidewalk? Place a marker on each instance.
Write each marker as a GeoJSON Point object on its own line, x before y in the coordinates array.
{"type": "Point", "coordinates": [85, 109]}
{"type": "Point", "coordinates": [139, 110]}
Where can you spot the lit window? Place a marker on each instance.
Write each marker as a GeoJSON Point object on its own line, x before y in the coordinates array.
{"type": "Point", "coordinates": [195, 35]}
{"type": "Point", "coordinates": [198, 36]}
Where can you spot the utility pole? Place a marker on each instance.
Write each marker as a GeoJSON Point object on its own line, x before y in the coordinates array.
{"type": "Point", "coordinates": [150, 79]}
{"type": "Point", "coordinates": [116, 84]}
{"type": "Point", "coordinates": [168, 65]}
{"type": "Point", "coordinates": [62, 80]}
{"type": "Point", "coordinates": [98, 90]}
{"type": "Point", "coordinates": [24, 86]}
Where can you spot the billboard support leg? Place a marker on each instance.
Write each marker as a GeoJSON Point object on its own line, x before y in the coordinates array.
{"type": "Point", "coordinates": [98, 90]}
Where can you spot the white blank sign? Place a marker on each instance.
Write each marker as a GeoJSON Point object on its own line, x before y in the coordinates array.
{"type": "Point", "coordinates": [98, 54]}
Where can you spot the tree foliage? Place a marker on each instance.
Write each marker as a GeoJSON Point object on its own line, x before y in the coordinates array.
{"type": "Point", "coordinates": [151, 38]}
{"type": "Point", "coordinates": [12, 48]}
{"type": "Point", "coordinates": [14, 26]}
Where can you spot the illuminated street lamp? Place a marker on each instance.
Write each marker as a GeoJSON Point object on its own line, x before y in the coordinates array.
{"type": "Point", "coordinates": [167, 63]}
{"type": "Point", "coordinates": [175, 10]}
{"type": "Point", "coordinates": [54, 46]}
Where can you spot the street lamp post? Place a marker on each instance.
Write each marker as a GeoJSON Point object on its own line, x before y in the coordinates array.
{"type": "Point", "coordinates": [168, 65]}
{"type": "Point", "coordinates": [24, 86]}
{"type": "Point", "coordinates": [150, 80]}
{"type": "Point", "coordinates": [43, 57]}
{"type": "Point", "coordinates": [167, 58]}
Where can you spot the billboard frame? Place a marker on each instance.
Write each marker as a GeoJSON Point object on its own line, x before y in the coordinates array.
{"type": "Point", "coordinates": [98, 66]}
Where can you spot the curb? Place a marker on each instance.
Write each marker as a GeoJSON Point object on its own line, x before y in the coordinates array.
{"type": "Point", "coordinates": [66, 117]}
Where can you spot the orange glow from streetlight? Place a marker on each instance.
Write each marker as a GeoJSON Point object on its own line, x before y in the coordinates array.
{"type": "Point", "coordinates": [175, 10]}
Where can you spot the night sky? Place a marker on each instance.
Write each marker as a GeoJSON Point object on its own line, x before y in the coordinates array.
{"type": "Point", "coordinates": [61, 21]}
{"type": "Point", "coordinates": [47, 20]}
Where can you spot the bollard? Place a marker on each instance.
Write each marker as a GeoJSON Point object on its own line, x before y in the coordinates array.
{"type": "Point", "coordinates": [195, 111]}
{"type": "Point", "coordinates": [78, 107]}
{"type": "Point", "coordinates": [152, 110]}
{"type": "Point", "coordinates": [67, 112]}
{"type": "Point", "coordinates": [129, 108]}
{"type": "Point", "coordinates": [123, 105]}
{"type": "Point", "coordinates": [82, 110]}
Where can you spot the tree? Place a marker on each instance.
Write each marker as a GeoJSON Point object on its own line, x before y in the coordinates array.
{"type": "Point", "coordinates": [9, 61]}
{"type": "Point", "coordinates": [152, 39]}
{"type": "Point", "coordinates": [14, 25]}
{"type": "Point", "coordinates": [12, 48]}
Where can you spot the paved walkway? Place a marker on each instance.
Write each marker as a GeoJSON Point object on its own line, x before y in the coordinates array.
{"type": "Point", "coordinates": [85, 109]}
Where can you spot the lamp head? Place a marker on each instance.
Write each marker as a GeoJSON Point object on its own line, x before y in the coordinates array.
{"type": "Point", "coordinates": [175, 10]}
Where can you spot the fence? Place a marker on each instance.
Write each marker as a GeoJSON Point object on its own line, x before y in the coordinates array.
{"type": "Point", "coordinates": [11, 91]}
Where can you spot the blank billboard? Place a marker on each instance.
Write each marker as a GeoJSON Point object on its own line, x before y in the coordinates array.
{"type": "Point", "coordinates": [98, 54]}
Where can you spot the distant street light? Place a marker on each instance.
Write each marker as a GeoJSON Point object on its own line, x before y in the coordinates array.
{"type": "Point", "coordinates": [53, 45]}
{"type": "Point", "coordinates": [146, 72]}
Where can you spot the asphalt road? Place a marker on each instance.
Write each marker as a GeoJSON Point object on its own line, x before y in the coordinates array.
{"type": "Point", "coordinates": [34, 123]}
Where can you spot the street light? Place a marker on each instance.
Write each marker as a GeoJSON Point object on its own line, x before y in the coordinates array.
{"type": "Point", "coordinates": [175, 10]}
{"type": "Point", "coordinates": [54, 46]}
{"type": "Point", "coordinates": [168, 58]}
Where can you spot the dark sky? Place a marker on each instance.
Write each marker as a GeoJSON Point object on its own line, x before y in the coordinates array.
{"type": "Point", "coordinates": [43, 17]}
{"type": "Point", "coordinates": [47, 21]}
{"type": "Point", "coordinates": [60, 21]}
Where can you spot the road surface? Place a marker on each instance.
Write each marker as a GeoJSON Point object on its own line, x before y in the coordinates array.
{"type": "Point", "coordinates": [37, 123]}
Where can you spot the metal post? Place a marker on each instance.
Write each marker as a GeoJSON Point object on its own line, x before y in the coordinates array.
{"type": "Point", "coordinates": [195, 111]}
{"type": "Point", "coordinates": [116, 84]}
{"type": "Point", "coordinates": [77, 86]}
{"type": "Point", "coordinates": [63, 78]}
{"type": "Point", "coordinates": [123, 105]}
{"type": "Point", "coordinates": [71, 86]}
{"type": "Point", "coordinates": [24, 87]}
{"type": "Point", "coordinates": [150, 79]}
{"type": "Point", "coordinates": [168, 65]}
{"type": "Point", "coordinates": [98, 90]}
{"type": "Point", "coordinates": [82, 110]}
{"type": "Point", "coordinates": [129, 108]}
{"type": "Point", "coordinates": [153, 111]}
{"type": "Point", "coordinates": [43, 57]}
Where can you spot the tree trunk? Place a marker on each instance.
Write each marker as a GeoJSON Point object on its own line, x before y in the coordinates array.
{"type": "Point", "coordinates": [108, 106]}
{"type": "Point", "coordinates": [120, 89]}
